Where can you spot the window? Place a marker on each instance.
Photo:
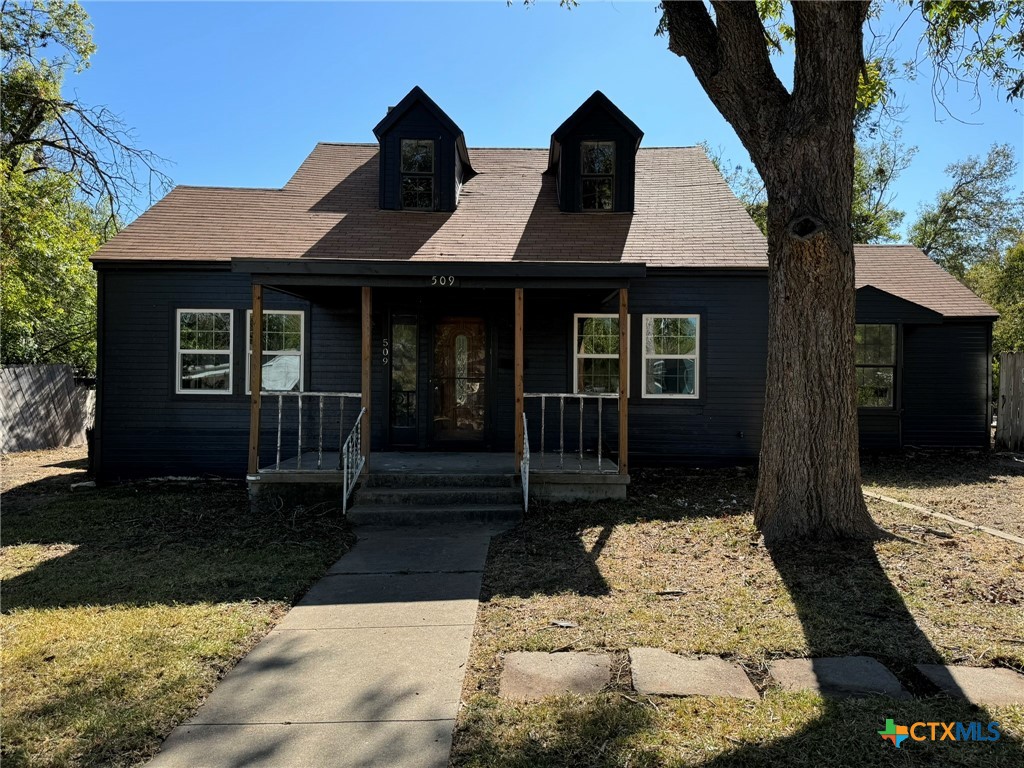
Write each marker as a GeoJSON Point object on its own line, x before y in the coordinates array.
{"type": "Point", "coordinates": [671, 355]}
{"type": "Point", "coordinates": [204, 351]}
{"type": "Point", "coordinates": [876, 366]}
{"type": "Point", "coordinates": [282, 350]}
{"type": "Point", "coordinates": [597, 171]}
{"type": "Point", "coordinates": [417, 174]}
{"type": "Point", "coordinates": [596, 360]}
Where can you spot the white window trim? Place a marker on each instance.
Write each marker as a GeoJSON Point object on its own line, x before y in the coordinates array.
{"type": "Point", "coordinates": [695, 356]}
{"type": "Point", "coordinates": [576, 354]}
{"type": "Point", "coordinates": [230, 353]}
{"type": "Point", "coordinates": [301, 354]}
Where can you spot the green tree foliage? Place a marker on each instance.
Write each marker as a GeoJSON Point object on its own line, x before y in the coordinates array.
{"type": "Point", "coordinates": [1001, 283]}
{"type": "Point", "coordinates": [977, 218]}
{"type": "Point", "coordinates": [875, 218]}
{"type": "Point", "coordinates": [66, 171]}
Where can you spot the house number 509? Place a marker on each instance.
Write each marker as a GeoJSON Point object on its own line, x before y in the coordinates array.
{"type": "Point", "coordinates": [386, 352]}
{"type": "Point", "coordinates": [443, 280]}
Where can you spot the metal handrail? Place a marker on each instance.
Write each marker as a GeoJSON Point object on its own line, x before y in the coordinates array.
{"type": "Point", "coordinates": [280, 394]}
{"type": "Point", "coordinates": [582, 397]}
{"type": "Point", "coordinates": [524, 467]}
{"type": "Point", "coordinates": [352, 460]}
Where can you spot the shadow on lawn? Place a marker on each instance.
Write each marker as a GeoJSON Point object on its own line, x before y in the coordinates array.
{"type": "Point", "coordinates": [846, 605]}
{"type": "Point", "coordinates": [145, 543]}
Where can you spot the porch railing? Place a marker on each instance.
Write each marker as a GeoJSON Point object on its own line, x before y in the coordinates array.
{"type": "Point", "coordinates": [524, 467]}
{"type": "Point", "coordinates": [352, 460]}
{"type": "Point", "coordinates": [315, 400]}
{"type": "Point", "coordinates": [581, 399]}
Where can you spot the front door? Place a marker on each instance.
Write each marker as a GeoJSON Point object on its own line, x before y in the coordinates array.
{"type": "Point", "coordinates": [459, 380]}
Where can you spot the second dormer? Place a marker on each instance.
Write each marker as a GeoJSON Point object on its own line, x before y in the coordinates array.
{"type": "Point", "coordinates": [423, 156]}
{"type": "Point", "coordinates": [593, 158]}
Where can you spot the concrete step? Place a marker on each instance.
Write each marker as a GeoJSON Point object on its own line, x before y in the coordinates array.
{"type": "Point", "coordinates": [439, 480]}
{"type": "Point", "coordinates": [400, 515]}
{"type": "Point", "coordinates": [434, 497]}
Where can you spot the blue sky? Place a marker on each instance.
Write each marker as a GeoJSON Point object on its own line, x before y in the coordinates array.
{"type": "Point", "coordinates": [237, 94]}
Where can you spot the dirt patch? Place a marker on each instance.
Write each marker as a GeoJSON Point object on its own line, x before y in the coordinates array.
{"type": "Point", "coordinates": [58, 467]}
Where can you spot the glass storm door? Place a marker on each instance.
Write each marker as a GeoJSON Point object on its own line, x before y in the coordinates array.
{"type": "Point", "coordinates": [458, 384]}
{"type": "Point", "coordinates": [404, 360]}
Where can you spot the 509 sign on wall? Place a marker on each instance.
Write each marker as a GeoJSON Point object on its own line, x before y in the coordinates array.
{"type": "Point", "coordinates": [443, 281]}
{"type": "Point", "coordinates": [386, 352]}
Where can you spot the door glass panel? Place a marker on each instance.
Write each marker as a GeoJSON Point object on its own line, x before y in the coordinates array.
{"type": "Point", "coordinates": [403, 372]}
{"type": "Point", "coordinates": [460, 365]}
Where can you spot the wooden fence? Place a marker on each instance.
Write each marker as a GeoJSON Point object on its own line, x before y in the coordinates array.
{"type": "Point", "coordinates": [1010, 416]}
{"type": "Point", "coordinates": [41, 407]}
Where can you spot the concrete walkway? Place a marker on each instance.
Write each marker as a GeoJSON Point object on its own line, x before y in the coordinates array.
{"type": "Point", "coordinates": [365, 671]}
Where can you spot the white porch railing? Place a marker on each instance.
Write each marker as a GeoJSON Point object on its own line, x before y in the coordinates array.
{"type": "Point", "coordinates": [561, 397]}
{"type": "Point", "coordinates": [317, 399]}
{"type": "Point", "coordinates": [352, 460]}
{"type": "Point", "coordinates": [524, 467]}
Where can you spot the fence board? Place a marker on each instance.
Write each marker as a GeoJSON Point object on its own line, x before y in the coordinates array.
{"type": "Point", "coordinates": [40, 407]}
{"type": "Point", "coordinates": [1010, 417]}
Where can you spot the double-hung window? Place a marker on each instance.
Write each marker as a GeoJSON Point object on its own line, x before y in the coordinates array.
{"type": "Point", "coordinates": [417, 188]}
{"type": "Point", "coordinates": [203, 351]}
{"type": "Point", "coordinates": [671, 356]}
{"type": "Point", "coordinates": [597, 175]}
{"type": "Point", "coordinates": [876, 365]}
{"type": "Point", "coordinates": [283, 337]}
{"type": "Point", "coordinates": [596, 358]}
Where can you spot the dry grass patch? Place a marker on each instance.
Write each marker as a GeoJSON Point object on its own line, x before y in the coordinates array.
{"type": "Point", "coordinates": [985, 488]}
{"type": "Point", "coordinates": [679, 566]}
{"type": "Point", "coordinates": [123, 606]}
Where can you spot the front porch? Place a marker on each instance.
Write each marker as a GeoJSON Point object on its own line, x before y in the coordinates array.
{"type": "Point", "coordinates": [434, 377]}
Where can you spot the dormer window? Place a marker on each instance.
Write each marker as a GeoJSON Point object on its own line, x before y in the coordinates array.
{"type": "Point", "coordinates": [417, 174]}
{"type": "Point", "coordinates": [423, 161]}
{"type": "Point", "coordinates": [597, 172]}
{"type": "Point", "coordinates": [593, 159]}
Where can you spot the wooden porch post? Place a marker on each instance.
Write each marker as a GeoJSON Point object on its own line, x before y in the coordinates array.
{"type": "Point", "coordinates": [520, 437]}
{"type": "Point", "coordinates": [367, 379]}
{"type": "Point", "coordinates": [623, 381]}
{"type": "Point", "coordinates": [255, 377]}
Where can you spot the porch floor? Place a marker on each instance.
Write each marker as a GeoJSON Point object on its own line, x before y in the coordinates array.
{"type": "Point", "coordinates": [455, 462]}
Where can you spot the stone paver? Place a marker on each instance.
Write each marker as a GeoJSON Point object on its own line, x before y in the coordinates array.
{"type": "Point", "coordinates": [839, 677]}
{"type": "Point", "coordinates": [658, 672]}
{"type": "Point", "coordinates": [979, 685]}
{"type": "Point", "coordinates": [529, 676]}
{"type": "Point", "coordinates": [365, 671]}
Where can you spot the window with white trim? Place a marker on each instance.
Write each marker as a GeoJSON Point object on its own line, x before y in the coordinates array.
{"type": "Point", "coordinates": [671, 356]}
{"type": "Point", "coordinates": [283, 343]}
{"type": "Point", "coordinates": [203, 351]}
{"type": "Point", "coordinates": [596, 358]}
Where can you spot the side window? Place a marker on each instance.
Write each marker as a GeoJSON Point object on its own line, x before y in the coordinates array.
{"type": "Point", "coordinates": [203, 351]}
{"type": "Point", "coordinates": [596, 358]}
{"type": "Point", "coordinates": [876, 366]}
{"type": "Point", "coordinates": [671, 355]}
{"type": "Point", "coordinates": [283, 339]}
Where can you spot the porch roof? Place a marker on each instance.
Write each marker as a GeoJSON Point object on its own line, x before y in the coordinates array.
{"type": "Point", "coordinates": [685, 216]}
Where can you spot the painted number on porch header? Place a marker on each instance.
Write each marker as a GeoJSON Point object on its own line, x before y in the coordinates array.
{"type": "Point", "coordinates": [443, 281]}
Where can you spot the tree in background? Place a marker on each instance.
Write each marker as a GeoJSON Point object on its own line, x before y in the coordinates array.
{"type": "Point", "coordinates": [801, 141]}
{"type": "Point", "coordinates": [68, 171]}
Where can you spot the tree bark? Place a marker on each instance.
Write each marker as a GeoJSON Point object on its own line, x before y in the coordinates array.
{"type": "Point", "coordinates": [802, 145]}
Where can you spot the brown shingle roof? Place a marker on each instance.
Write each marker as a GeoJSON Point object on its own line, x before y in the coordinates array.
{"type": "Point", "coordinates": [905, 271]}
{"type": "Point", "coordinates": [685, 216]}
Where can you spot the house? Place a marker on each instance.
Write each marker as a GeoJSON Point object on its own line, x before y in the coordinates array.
{"type": "Point", "coordinates": [419, 300]}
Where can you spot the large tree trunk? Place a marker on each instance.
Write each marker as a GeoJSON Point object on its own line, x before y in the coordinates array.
{"type": "Point", "coordinates": [802, 145]}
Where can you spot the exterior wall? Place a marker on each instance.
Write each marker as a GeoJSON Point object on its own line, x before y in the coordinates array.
{"type": "Point", "coordinates": [145, 429]}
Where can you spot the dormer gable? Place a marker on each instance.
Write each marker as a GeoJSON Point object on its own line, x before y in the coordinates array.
{"type": "Point", "coordinates": [423, 156]}
{"type": "Point", "coordinates": [593, 158]}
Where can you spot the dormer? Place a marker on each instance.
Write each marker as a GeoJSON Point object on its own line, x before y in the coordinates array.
{"type": "Point", "coordinates": [593, 158]}
{"type": "Point", "coordinates": [423, 156]}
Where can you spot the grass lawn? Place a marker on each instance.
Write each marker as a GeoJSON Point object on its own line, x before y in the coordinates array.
{"type": "Point", "coordinates": [123, 606]}
{"type": "Point", "coordinates": [679, 566]}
